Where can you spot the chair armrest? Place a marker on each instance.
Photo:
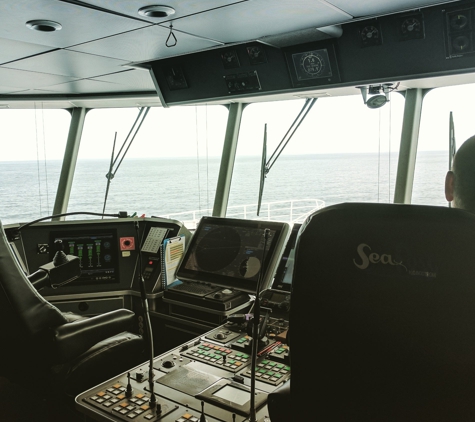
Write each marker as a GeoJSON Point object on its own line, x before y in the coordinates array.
{"type": "Point", "coordinates": [74, 338]}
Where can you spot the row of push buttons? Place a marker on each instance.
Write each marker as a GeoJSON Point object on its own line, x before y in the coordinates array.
{"type": "Point", "coordinates": [133, 407]}
{"type": "Point", "coordinates": [187, 417]}
{"type": "Point", "coordinates": [280, 351]}
{"type": "Point", "coordinates": [271, 372]}
{"type": "Point", "coordinates": [219, 356]}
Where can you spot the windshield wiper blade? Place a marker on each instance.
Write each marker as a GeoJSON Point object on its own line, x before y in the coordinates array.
{"type": "Point", "coordinates": [266, 166]}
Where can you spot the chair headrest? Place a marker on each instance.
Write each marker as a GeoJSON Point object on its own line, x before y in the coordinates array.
{"type": "Point", "coordinates": [387, 241]}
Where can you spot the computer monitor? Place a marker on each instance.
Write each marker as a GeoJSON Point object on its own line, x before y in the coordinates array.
{"type": "Point", "coordinates": [233, 253]}
{"type": "Point", "coordinates": [283, 275]}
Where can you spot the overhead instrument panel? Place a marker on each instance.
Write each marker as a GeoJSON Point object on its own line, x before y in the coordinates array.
{"type": "Point", "coordinates": [312, 64]}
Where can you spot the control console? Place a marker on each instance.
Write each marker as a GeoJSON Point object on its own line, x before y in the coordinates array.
{"type": "Point", "coordinates": [206, 379]}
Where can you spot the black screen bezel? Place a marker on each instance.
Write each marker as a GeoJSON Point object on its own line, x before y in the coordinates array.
{"type": "Point", "coordinates": [282, 269]}
{"type": "Point", "coordinates": [238, 283]}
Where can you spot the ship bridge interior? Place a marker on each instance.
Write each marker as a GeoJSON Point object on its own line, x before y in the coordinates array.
{"type": "Point", "coordinates": [208, 309]}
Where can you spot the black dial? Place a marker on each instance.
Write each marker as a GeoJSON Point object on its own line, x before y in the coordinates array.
{"type": "Point", "coordinates": [459, 21]}
{"type": "Point", "coordinates": [460, 44]}
{"type": "Point", "coordinates": [256, 54]}
{"type": "Point", "coordinates": [369, 32]}
{"type": "Point", "coordinates": [411, 27]}
{"type": "Point", "coordinates": [230, 59]}
{"type": "Point", "coordinates": [370, 35]}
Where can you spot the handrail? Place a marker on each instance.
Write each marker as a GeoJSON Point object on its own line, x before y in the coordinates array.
{"type": "Point", "coordinates": [290, 211]}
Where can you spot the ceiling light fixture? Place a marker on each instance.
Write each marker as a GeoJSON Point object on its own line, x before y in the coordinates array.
{"type": "Point", "coordinates": [43, 25]}
{"type": "Point", "coordinates": [379, 94]}
{"type": "Point", "coordinates": [156, 11]}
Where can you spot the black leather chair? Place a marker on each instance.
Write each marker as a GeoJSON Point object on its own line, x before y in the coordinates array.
{"type": "Point", "coordinates": [382, 320]}
{"type": "Point", "coordinates": [45, 348]}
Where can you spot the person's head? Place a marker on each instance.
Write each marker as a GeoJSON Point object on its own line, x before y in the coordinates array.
{"type": "Point", "coordinates": [460, 182]}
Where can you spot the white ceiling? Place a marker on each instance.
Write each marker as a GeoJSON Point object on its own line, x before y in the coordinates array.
{"type": "Point", "coordinates": [87, 62]}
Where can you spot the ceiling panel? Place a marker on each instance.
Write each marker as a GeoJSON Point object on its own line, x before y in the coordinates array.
{"type": "Point", "coordinates": [182, 7]}
{"type": "Point", "coordinates": [363, 8]}
{"type": "Point", "coordinates": [14, 50]}
{"type": "Point", "coordinates": [259, 18]}
{"type": "Point", "coordinates": [25, 80]}
{"type": "Point", "coordinates": [79, 24]}
{"type": "Point", "coordinates": [9, 90]}
{"type": "Point", "coordinates": [144, 45]}
{"type": "Point", "coordinates": [69, 63]}
{"type": "Point", "coordinates": [138, 79]}
{"type": "Point", "coordinates": [85, 86]}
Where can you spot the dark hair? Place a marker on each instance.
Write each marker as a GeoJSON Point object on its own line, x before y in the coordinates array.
{"type": "Point", "coordinates": [464, 171]}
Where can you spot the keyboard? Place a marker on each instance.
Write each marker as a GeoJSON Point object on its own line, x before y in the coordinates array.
{"type": "Point", "coordinates": [195, 288]}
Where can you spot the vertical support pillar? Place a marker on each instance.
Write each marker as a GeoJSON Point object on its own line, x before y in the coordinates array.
{"type": "Point", "coordinates": [227, 159]}
{"type": "Point", "coordinates": [408, 148]}
{"type": "Point", "coordinates": [65, 183]}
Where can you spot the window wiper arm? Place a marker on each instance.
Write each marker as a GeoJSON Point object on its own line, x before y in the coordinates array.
{"type": "Point", "coordinates": [132, 133]}
{"type": "Point", "coordinates": [266, 166]}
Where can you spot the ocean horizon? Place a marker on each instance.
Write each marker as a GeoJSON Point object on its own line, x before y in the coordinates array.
{"type": "Point", "coordinates": [164, 186]}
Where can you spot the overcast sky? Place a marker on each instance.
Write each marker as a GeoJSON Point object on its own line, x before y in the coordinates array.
{"type": "Point", "coordinates": [334, 125]}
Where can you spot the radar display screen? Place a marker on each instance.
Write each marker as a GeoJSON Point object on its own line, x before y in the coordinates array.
{"type": "Point", "coordinates": [232, 253]}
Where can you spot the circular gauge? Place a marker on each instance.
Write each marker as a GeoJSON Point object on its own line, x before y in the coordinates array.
{"type": "Point", "coordinates": [459, 21]}
{"type": "Point", "coordinates": [230, 59]}
{"type": "Point", "coordinates": [312, 64]}
{"type": "Point", "coordinates": [256, 54]}
{"type": "Point", "coordinates": [460, 43]}
{"type": "Point", "coordinates": [369, 33]}
{"type": "Point", "coordinates": [411, 26]}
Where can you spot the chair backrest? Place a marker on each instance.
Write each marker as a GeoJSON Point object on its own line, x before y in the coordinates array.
{"type": "Point", "coordinates": [382, 320]}
{"type": "Point", "coordinates": [24, 313]}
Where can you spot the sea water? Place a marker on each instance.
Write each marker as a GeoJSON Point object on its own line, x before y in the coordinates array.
{"type": "Point", "coordinates": [160, 187]}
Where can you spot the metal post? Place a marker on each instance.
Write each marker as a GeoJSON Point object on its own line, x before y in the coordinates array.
{"type": "Point", "coordinates": [408, 148]}
{"type": "Point", "coordinates": [69, 161]}
{"type": "Point", "coordinates": [227, 159]}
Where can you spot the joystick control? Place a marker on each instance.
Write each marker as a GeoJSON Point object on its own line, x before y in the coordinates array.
{"type": "Point", "coordinates": [203, 417]}
{"type": "Point", "coordinates": [129, 390]}
{"type": "Point", "coordinates": [168, 364]}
